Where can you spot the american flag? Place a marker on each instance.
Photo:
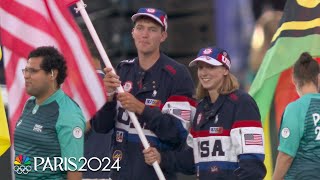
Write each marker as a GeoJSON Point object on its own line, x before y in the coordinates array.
{"type": "Point", "coordinates": [253, 139]}
{"type": "Point", "coordinates": [184, 114]}
{"type": "Point", "coordinates": [27, 24]}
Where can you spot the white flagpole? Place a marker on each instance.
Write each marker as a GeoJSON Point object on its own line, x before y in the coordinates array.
{"type": "Point", "coordinates": [106, 60]}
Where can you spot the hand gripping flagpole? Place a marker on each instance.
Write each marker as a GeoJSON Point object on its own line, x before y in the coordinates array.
{"type": "Point", "coordinates": [81, 8]}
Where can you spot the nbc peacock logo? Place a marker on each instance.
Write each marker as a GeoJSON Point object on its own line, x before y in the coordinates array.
{"type": "Point", "coordinates": [22, 164]}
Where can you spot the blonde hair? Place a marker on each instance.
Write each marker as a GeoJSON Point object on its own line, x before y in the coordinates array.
{"type": "Point", "coordinates": [230, 84]}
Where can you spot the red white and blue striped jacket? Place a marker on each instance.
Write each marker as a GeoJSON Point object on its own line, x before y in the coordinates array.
{"type": "Point", "coordinates": [226, 140]}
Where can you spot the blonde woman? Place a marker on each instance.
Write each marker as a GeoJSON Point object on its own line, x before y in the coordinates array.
{"type": "Point", "coordinates": [226, 136]}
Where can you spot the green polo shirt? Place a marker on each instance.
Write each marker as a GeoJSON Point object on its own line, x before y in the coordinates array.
{"type": "Point", "coordinates": [52, 131]}
{"type": "Point", "coordinates": [300, 137]}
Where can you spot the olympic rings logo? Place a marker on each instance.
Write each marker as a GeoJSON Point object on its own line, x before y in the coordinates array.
{"type": "Point", "coordinates": [21, 169]}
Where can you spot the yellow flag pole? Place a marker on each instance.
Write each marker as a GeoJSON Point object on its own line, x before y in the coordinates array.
{"type": "Point", "coordinates": [267, 147]}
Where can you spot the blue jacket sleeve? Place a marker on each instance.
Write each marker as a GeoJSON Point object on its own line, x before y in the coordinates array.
{"type": "Point", "coordinates": [103, 121]}
{"type": "Point", "coordinates": [247, 116]}
{"type": "Point", "coordinates": [251, 168]}
{"type": "Point", "coordinates": [167, 127]}
{"type": "Point", "coordinates": [178, 161]}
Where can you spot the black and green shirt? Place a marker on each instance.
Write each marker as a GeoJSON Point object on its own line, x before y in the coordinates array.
{"type": "Point", "coordinates": [53, 129]}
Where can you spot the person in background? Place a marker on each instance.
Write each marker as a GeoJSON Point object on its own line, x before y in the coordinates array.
{"type": "Point", "coordinates": [93, 140]}
{"type": "Point", "coordinates": [264, 30]}
{"type": "Point", "coordinates": [299, 138]}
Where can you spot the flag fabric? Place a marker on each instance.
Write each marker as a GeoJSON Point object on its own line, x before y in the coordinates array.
{"type": "Point", "coordinates": [298, 32]}
{"type": "Point", "coordinates": [4, 131]}
{"type": "Point", "coordinates": [268, 147]}
{"type": "Point", "coordinates": [70, 2]}
{"type": "Point", "coordinates": [27, 24]}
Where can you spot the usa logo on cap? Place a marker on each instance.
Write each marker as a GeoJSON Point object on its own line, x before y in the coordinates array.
{"type": "Point", "coordinates": [150, 10]}
{"type": "Point", "coordinates": [163, 19]}
{"type": "Point", "coordinates": [207, 51]}
{"type": "Point", "coordinates": [224, 59]}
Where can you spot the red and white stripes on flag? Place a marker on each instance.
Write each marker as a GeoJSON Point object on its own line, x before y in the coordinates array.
{"type": "Point", "coordinates": [253, 139]}
{"type": "Point", "coordinates": [27, 24]}
{"type": "Point", "coordinates": [70, 2]}
{"type": "Point", "coordinates": [184, 114]}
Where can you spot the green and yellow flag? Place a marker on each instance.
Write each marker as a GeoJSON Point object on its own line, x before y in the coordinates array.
{"type": "Point", "coordinates": [299, 31]}
{"type": "Point", "coordinates": [4, 131]}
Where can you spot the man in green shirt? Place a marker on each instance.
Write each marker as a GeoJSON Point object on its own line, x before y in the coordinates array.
{"type": "Point", "coordinates": [51, 127]}
{"type": "Point", "coordinates": [299, 138]}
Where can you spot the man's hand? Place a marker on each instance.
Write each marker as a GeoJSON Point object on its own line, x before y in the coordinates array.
{"type": "Point", "coordinates": [151, 155]}
{"type": "Point", "coordinates": [111, 82]}
{"type": "Point", "coordinates": [130, 103]}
